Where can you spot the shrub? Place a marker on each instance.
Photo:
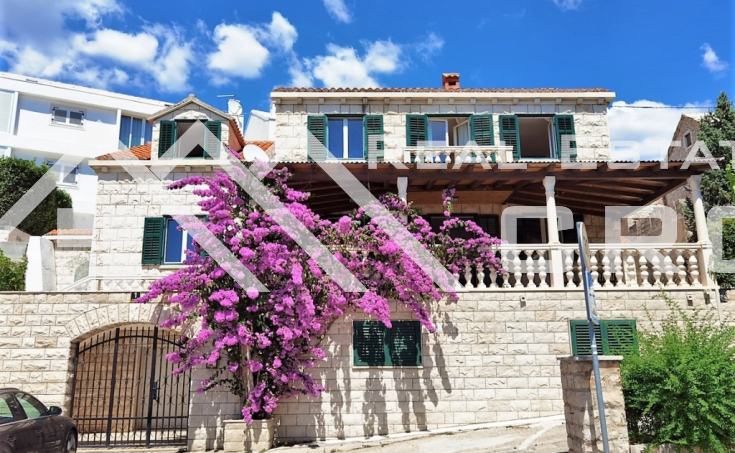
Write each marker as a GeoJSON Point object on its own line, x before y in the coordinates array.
{"type": "Point", "coordinates": [680, 388]}
{"type": "Point", "coordinates": [12, 274]}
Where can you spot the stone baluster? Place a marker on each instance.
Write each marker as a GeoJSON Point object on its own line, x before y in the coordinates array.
{"type": "Point", "coordinates": [694, 268]}
{"type": "Point", "coordinates": [618, 267]}
{"type": "Point", "coordinates": [643, 264]}
{"type": "Point", "coordinates": [542, 269]}
{"type": "Point", "coordinates": [631, 276]}
{"type": "Point", "coordinates": [593, 268]}
{"type": "Point", "coordinates": [493, 277]}
{"type": "Point", "coordinates": [517, 269]}
{"type": "Point", "coordinates": [530, 274]}
{"type": "Point", "coordinates": [468, 278]}
{"type": "Point", "coordinates": [668, 268]}
{"type": "Point", "coordinates": [569, 267]}
{"type": "Point", "coordinates": [606, 274]}
{"type": "Point", "coordinates": [682, 269]}
{"type": "Point", "coordinates": [656, 265]}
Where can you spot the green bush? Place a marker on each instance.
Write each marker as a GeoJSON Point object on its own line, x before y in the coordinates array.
{"type": "Point", "coordinates": [17, 176]}
{"type": "Point", "coordinates": [680, 387]}
{"type": "Point", "coordinates": [12, 274]}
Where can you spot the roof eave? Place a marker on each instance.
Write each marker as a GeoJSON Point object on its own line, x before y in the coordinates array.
{"type": "Point", "coordinates": [606, 96]}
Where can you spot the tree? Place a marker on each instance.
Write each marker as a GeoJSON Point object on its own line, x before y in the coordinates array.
{"type": "Point", "coordinates": [715, 127]}
{"type": "Point", "coordinates": [263, 343]}
{"type": "Point", "coordinates": [17, 176]}
{"type": "Point", "coordinates": [12, 274]}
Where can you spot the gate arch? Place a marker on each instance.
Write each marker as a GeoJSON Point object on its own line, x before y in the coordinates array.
{"type": "Point", "coordinates": [124, 392]}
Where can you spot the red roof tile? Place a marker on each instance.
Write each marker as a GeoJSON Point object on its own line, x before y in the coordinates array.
{"type": "Point", "coordinates": [439, 90]}
{"type": "Point", "coordinates": [141, 152]}
{"type": "Point", "coordinates": [63, 232]}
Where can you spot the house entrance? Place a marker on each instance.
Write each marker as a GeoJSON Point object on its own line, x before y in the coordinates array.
{"type": "Point", "coordinates": [124, 391]}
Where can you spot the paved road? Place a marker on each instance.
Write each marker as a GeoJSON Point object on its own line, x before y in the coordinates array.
{"type": "Point", "coordinates": [545, 437]}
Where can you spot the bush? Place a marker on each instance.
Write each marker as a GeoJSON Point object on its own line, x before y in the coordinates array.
{"type": "Point", "coordinates": [680, 388]}
{"type": "Point", "coordinates": [17, 176]}
{"type": "Point", "coordinates": [12, 274]}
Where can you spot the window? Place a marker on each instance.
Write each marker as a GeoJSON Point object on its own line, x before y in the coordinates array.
{"type": "Point", "coordinates": [350, 137]}
{"type": "Point", "coordinates": [63, 115]}
{"type": "Point", "coordinates": [534, 136]}
{"type": "Point", "coordinates": [6, 413]}
{"type": "Point", "coordinates": [569, 236]}
{"type": "Point", "coordinates": [345, 138]}
{"type": "Point", "coordinates": [171, 133]}
{"type": "Point", "coordinates": [164, 242]}
{"type": "Point", "coordinates": [134, 132]}
{"type": "Point", "coordinates": [70, 178]}
{"type": "Point", "coordinates": [489, 223]}
{"type": "Point", "coordinates": [613, 337]}
{"type": "Point", "coordinates": [438, 132]}
{"type": "Point", "coordinates": [687, 139]}
{"type": "Point", "coordinates": [376, 345]}
{"type": "Point", "coordinates": [31, 406]}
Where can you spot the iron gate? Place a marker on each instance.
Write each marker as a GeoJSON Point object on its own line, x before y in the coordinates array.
{"type": "Point", "coordinates": [124, 391]}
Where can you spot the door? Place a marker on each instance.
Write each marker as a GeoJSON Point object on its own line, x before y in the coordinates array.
{"type": "Point", "coordinates": [42, 424]}
{"type": "Point", "coordinates": [125, 393]}
{"type": "Point", "coordinates": [17, 433]}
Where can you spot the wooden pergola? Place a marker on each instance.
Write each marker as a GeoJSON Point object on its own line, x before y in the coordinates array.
{"type": "Point", "coordinates": [586, 188]}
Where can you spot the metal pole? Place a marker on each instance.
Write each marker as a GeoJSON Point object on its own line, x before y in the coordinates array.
{"type": "Point", "coordinates": [598, 385]}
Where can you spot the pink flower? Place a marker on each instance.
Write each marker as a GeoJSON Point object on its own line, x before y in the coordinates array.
{"type": "Point", "coordinates": [252, 293]}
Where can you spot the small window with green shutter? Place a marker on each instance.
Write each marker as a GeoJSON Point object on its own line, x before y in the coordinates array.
{"type": "Point", "coordinates": [417, 129]}
{"type": "Point", "coordinates": [212, 137]}
{"type": "Point", "coordinates": [373, 131]}
{"type": "Point", "coordinates": [376, 345]}
{"type": "Point", "coordinates": [153, 231]}
{"type": "Point", "coordinates": [564, 125]}
{"type": "Point", "coordinates": [317, 141]}
{"type": "Point", "coordinates": [510, 134]}
{"type": "Point", "coordinates": [164, 242]}
{"type": "Point", "coordinates": [613, 337]}
{"type": "Point", "coordinates": [166, 137]}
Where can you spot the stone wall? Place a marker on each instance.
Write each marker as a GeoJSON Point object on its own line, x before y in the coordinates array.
{"type": "Point", "coordinates": [590, 121]}
{"type": "Point", "coordinates": [581, 408]}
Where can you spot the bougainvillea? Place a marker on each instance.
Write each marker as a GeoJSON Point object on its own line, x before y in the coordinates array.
{"type": "Point", "coordinates": [262, 344]}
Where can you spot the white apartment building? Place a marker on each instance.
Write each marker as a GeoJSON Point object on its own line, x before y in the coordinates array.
{"type": "Point", "coordinates": [43, 120]}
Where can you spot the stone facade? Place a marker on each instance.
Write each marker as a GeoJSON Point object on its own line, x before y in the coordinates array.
{"type": "Point", "coordinates": [581, 409]}
{"type": "Point", "coordinates": [590, 121]}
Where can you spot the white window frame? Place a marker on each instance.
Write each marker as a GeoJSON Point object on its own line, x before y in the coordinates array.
{"type": "Point", "coordinates": [59, 175]}
{"type": "Point", "coordinates": [456, 132]}
{"type": "Point", "coordinates": [165, 243]}
{"type": "Point", "coordinates": [67, 118]}
{"type": "Point", "coordinates": [345, 137]}
{"type": "Point", "coordinates": [446, 128]}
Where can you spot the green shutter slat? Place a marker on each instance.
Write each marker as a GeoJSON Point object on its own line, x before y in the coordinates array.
{"type": "Point", "coordinates": [481, 130]}
{"type": "Point", "coordinates": [619, 337]}
{"type": "Point", "coordinates": [166, 136]}
{"type": "Point", "coordinates": [564, 125]}
{"type": "Point", "coordinates": [368, 342]}
{"type": "Point", "coordinates": [580, 336]}
{"type": "Point", "coordinates": [417, 129]}
{"type": "Point", "coordinates": [509, 133]}
{"type": "Point", "coordinates": [404, 343]}
{"type": "Point", "coordinates": [373, 125]}
{"type": "Point", "coordinates": [153, 230]}
{"type": "Point", "coordinates": [212, 146]}
{"type": "Point", "coordinates": [318, 140]}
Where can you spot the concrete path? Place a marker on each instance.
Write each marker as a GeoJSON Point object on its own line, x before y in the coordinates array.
{"type": "Point", "coordinates": [542, 436]}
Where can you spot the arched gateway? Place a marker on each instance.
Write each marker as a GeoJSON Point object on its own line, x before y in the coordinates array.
{"type": "Point", "coordinates": [124, 392]}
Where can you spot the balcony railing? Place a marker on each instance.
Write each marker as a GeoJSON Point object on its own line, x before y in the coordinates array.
{"type": "Point", "coordinates": [452, 155]}
{"type": "Point", "coordinates": [110, 283]}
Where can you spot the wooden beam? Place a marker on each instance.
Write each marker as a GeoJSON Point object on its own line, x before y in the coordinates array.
{"type": "Point", "coordinates": [430, 184]}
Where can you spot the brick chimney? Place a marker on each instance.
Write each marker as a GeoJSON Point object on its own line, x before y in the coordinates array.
{"type": "Point", "coordinates": [450, 80]}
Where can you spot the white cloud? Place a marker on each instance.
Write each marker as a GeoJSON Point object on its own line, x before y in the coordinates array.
{"type": "Point", "coordinates": [711, 61]}
{"type": "Point", "coordinates": [136, 49]}
{"type": "Point", "coordinates": [566, 5]}
{"type": "Point", "coordinates": [343, 67]}
{"type": "Point", "coordinates": [338, 10]}
{"type": "Point", "coordinates": [281, 32]}
{"type": "Point", "coordinates": [429, 46]}
{"type": "Point", "coordinates": [173, 64]}
{"type": "Point", "coordinates": [651, 124]}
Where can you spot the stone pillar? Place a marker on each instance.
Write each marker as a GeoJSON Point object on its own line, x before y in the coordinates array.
{"type": "Point", "coordinates": [257, 436]}
{"type": "Point", "coordinates": [552, 233]}
{"type": "Point", "coordinates": [700, 219]}
{"type": "Point", "coordinates": [403, 188]}
{"type": "Point", "coordinates": [580, 404]}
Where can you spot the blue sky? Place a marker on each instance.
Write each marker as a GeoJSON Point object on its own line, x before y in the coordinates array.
{"type": "Point", "coordinates": [651, 53]}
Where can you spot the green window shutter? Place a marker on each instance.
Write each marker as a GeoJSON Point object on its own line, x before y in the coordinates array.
{"type": "Point", "coordinates": [509, 133]}
{"type": "Point", "coordinates": [417, 129]}
{"type": "Point", "coordinates": [212, 146]}
{"type": "Point", "coordinates": [564, 125]}
{"type": "Point", "coordinates": [490, 224]}
{"type": "Point", "coordinates": [373, 125]}
{"type": "Point", "coordinates": [153, 230]}
{"type": "Point", "coordinates": [619, 337]}
{"type": "Point", "coordinates": [404, 343]}
{"type": "Point", "coordinates": [317, 125]}
{"type": "Point", "coordinates": [166, 136]}
{"type": "Point", "coordinates": [580, 335]}
{"type": "Point", "coordinates": [481, 130]}
{"type": "Point", "coordinates": [368, 341]}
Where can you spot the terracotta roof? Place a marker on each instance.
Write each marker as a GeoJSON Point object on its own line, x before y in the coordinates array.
{"type": "Point", "coordinates": [439, 90]}
{"type": "Point", "coordinates": [63, 232]}
{"type": "Point", "coordinates": [141, 152]}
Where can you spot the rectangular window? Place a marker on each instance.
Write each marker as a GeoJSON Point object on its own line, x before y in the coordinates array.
{"type": "Point", "coordinates": [6, 110]}
{"type": "Point", "coordinates": [176, 242]}
{"type": "Point", "coordinates": [63, 115]}
{"type": "Point", "coordinates": [164, 242]}
{"type": "Point", "coordinates": [345, 139]}
{"type": "Point", "coordinates": [612, 336]}
{"type": "Point", "coordinates": [376, 345]}
{"type": "Point", "coordinates": [171, 133]}
{"type": "Point", "coordinates": [490, 224]}
{"type": "Point", "coordinates": [687, 139]}
{"type": "Point", "coordinates": [134, 132]}
{"type": "Point", "coordinates": [438, 132]}
{"type": "Point", "coordinates": [70, 178]}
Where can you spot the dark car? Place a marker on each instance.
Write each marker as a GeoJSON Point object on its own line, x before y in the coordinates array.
{"type": "Point", "coordinates": [27, 426]}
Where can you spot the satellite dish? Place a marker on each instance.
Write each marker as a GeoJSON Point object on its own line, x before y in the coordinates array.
{"type": "Point", "coordinates": [234, 107]}
{"type": "Point", "coordinates": [252, 152]}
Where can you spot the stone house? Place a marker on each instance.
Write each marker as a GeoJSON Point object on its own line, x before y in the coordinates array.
{"type": "Point", "coordinates": [494, 355]}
